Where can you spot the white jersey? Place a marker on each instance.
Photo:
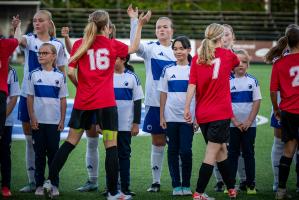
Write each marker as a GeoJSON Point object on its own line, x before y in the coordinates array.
{"type": "Point", "coordinates": [244, 91]}
{"type": "Point", "coordinates": [127, 89]}
{"type": "Point", "coordinates": [31, 60]}
{"type": "Point", "coordinates": [174, 81]}
{"type": "Point", "coordinates": [13, 90]}
{"type": "Point", "coordinates": [47, 87]}
{"type": "Point", "coordinates": [156, 57]}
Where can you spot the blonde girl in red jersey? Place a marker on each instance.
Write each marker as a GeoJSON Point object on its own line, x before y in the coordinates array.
{"type": "Point", "coordinates": [285, 78]}
{"type": "Point", "coordinates": [209, 79]}
{"type": "Point", "coordinates": [94, 57]}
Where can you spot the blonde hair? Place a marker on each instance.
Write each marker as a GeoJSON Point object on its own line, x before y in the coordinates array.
{"type": "Point", "coordinates": [52, 28]}
{"type": "Point", "coordinates": [96, 24]}
{"type": "Point", "coordinates": [52, 49]}
{"type": "Point", "coordinates": [206, 52]}
{"type": "Point", "coordinates": [243, 52]}
{"type": "Point", "coordinates": [112, 28]}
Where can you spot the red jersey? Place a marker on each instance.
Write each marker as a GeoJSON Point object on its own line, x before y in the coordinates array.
{"type": "Point", "coordinates": [213, 99]}
{"type": "Point", "coordinates": [285, 78]}
{"type": "Point", "coordinates": [95, 73]}
{"type": "Point", "coordinates": [7, 47]}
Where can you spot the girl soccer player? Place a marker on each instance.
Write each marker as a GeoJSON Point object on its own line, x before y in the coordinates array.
{"type": "Point", "coordinates": [156, 55]}
{"type": "Point", "coordinates": [173, 86]}
{"type": "Point", "coordinates": [46, 101]}
{"type": "Point", "coordinates": [128, 96]}
{"type": "Point", "coordinates": [43, 25]}
{"type": "Point", "coordinates": [209, 78]}
{"type": "Point", "coordinates": [285, 78]}
{"type": "Point", "coordinates": [95, 56]}
{"type": "Point", "coordinates": [246, 99]}
{"type": "Point", "coordinates": [5, 141]}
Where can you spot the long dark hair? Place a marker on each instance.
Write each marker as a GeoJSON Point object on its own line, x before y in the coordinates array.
{"type": "Point", "coordinates": [127, 65]}
{"type": "Point", "coordinates": [185, 43]}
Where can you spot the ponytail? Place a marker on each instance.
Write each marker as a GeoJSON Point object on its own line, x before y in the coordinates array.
{"type": "Point", "coordinates": [52, 29]}
{"type": "Point", "coordinates": [277, 51]}
{"type": "Point", "coordinates": [90, 33]}
{"type": "Point", "coordinates": [127, 65]}
{"type": "Point", "coordinates": [189, 59]}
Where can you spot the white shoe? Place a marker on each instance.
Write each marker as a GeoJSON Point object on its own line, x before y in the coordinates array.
{"type": "Point", "coordinates": [55, 191]}
{"type": "Point", "coordinates": [39, 191]}
{"type": "Point", "coordinates": [119, 196]}
{"type": "Point", "coordinates": [177, 191]}
{"type": "Point", "coordinates": [48, 189]}
{"type": "Point", "coordinates": [187, 191]}
{"type": "Point", "coordinates": [28, 188]}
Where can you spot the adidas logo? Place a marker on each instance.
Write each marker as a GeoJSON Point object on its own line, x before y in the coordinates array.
{"type": "Point", "coordinates": [39, 80]}
{"type": "Point", "coordinates": [233, 88]}
{"type": "Point", "coordinates": [89, 167]}
{"type": "Point", "coordinates": [173, 76]}
{"type": "Point", "coordinates": [155, 168]}
{"type": "Point", "coordinates": [161, 54]}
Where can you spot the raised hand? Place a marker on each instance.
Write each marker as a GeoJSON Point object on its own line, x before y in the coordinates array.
{"type": "Point", "coordinates": [65, 32]}
{"type": "Point", "coordinates": [143, 19]}
{"type": "Point", "coordinates": [15, 21]}
{"type": "Point", "coordinates": [131, 12]}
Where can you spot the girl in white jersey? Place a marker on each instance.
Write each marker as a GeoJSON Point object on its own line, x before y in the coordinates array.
{"type": "Point", "coordinates": [173, 86]}
{"type": "Point", "coordinates": [44, 30]}
{"type": "Point", "coordinates": [157, 55]}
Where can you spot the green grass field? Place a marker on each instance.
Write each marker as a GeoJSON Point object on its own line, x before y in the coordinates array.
{"type": "Point", "coordinates": [74, 173]}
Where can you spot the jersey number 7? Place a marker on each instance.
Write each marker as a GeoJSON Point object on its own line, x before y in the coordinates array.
{"type": "Point", "coordinates": [98, 59]}
{"type": "Point", "coordinates": [216, 68]}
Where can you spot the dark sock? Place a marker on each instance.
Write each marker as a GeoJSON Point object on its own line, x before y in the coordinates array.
{"type": "Point", "coordinates": [59, 159]}
{"type": "Point", "coordinates": [112, 168]}
{"type": "Point", "coordinates": [284, 170]}
{"type": "Point", "coordinates": [224, 170]}
{"type": "Point", "coordinates": [205, 173]}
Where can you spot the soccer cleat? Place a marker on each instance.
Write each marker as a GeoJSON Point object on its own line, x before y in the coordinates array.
{"type": "Point", "coordinates": [186, 191]}
{"type": "Point", "coordinates": [203, 196]}
{"type": "Point", "coordinates": [87, 187]}
{"type": "Point", "coordinates": [128, 192]}
{"type": "Point", "coordinates": [55, 191]}
{"type": "Point", "coordinates": [28, 188]}
{"type": "Point", "coordinates": [225, 191]}
{"type": "Point", "coordinates": [119, 196]}
{"type": "Point", "coordinates": [243, 186]}
{"type": "Point", "coordinates": [39, 191]}
{"type": "Point", "coordinates": [48, 189]}
{"type": "Point", "coordinates": [5, 192]}
{"type": "Point", "coordinates": [219, 187]}
{"type": "Point", "coordinates": [274, 188]}
{"type": "Point", "coordinates": [232, 193]}
{"type": "Point", "coordinates": [251, 190]}
{"type": "Point", "coordinates": [282, 194]}
{"type": "Point", "coordinates": [155, 187]}
{"type": "Point", "coordinates": [177, 191]}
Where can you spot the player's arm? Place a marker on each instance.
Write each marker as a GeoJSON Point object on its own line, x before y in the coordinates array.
{"type": "Point", "coordinates": [11, 104]}
{"type": "Point", "coordinates": [143, 19]}
{"type": "Point", "coordinates": [136, 117]}
{"type": "Point", "coordinates": [33, 120]}
{"type": "Point", "coordinates": [237, 123]}
{"type": "Point", "coordinates": [274, 87]}
{"type": "Point", "coordinates": [72, 75]}
{"type": "Point", "coordinates": [253, 113]}
{"type": "Point", "coordinates": [276, 111]}
{"type": "Point", "coordinates": [62, 113]}
{"type": "Point", "coordinates": [190, 93]}
{"type": "Point", "coordinates": [163, 98]}
{"type": "Point", "coordinates": [66, 36]}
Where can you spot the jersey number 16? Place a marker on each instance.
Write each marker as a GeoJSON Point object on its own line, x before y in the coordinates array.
{"type": "Point", "coordinates": [98, 59]}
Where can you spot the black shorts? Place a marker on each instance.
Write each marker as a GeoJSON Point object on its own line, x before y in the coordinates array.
{"type": "Point", "coordinates": [2, 111]}
{"type": "Point", "coordinates": [289, 126]}
{"type": "Point", "coordinates": [107, 118]}
{"type": "Point", "coordinates": [216, 131]}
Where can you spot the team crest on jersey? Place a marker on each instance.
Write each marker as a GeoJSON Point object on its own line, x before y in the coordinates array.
{"type": "Point", "coordinates": [39, 80]}
{"type": "Point", "coordinates": [126, 83]}
{"type": "Point", "coordinates": [250, 86]}
{"type": "Point", "coordinates": [57, 82]}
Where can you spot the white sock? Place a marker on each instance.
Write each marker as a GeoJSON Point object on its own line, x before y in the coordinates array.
{"type": "Point", "coordinates": [217, 174]}
{"type": "Point", "coordinates": [241, 169]}
{"type": "Point", "coordinates": [92, 158]}
{"type": "Point", "coordinates": [157, 155]}
{"type": "Point", "coordinates": [30, 159]}
{"type": "Point", "coordinates": [276, 153]}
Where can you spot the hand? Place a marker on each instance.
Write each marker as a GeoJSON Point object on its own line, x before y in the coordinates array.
{"type": "Point", "coordinates": [61, 125]}
{"type": "Point", "coordinates": [143, 19]}
{"type": "Point", "coordinates": [238, 124]}
{"type": "Point", "coordinates": [65, 32]}
{"type": "Point", "coordinates": [135, 129]}
{"type": "Point", "coordinates": [34, 123]}
{"type": "Point", "coordinates": [131, 12]}
{"type": "Point", "coordinates": [163, 123]}
{"type": "Point", "coordinates": [195, 126]}
{"type": "Point", "coordinates": [15, 21]}
{"type": "Point", "coordinates": [187, 116]}
{"type": "Point", "coordinates": [98, 129]}
{"type": "Point", "coordinates": [246, 125]}
{"type": "Point", "coordinates": [277, 114]}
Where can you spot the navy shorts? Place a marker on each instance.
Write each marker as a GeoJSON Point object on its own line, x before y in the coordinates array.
{"type": "Point", "coordinates": [152, 121]}
{"type": "Point", "coordinates": [23, 114]}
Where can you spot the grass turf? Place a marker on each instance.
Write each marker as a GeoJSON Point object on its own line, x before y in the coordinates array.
{"type": "Point", "coordinates": [74, 173]}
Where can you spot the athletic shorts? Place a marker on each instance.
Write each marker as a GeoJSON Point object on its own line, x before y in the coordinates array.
{"type": "Point", "coordinates": [216, 131]}
{"type": "Point", "coordinates": [274, 122]}
{"type": "Point", "coordinates": [289, 126]}
{"type": "Point", "coordinates": [2, 112]}
{"type": "Point", "coordinates": [23, 114]}
{"type": "Point", "coordinates": [107, 118]}
{"type": "Point", "coordinates": [151, 122]}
